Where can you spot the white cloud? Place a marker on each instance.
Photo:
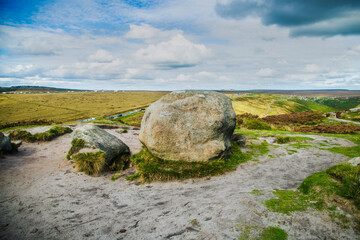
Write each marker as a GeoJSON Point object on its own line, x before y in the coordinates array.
{"type": "Point", "coordinates": [101, 56]}
{"type": "Point", "coordinates": [149, 33]}
{"type": "Point", "coordinates": [266, 72]}
{"type": "Point", "coordinates": [175, 53]}
{"type": "Point", "coordinates": [206, 74]}
{"type": "Point", "coordinates": [91, 70]}
{"type": "Point", "coordinates": [312, 68]}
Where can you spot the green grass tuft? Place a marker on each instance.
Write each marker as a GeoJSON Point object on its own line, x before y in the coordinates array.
{"type": "Point", "coordinates": [337, 186]}
{"type": "Point", "coordinates": [91, 163]}
{"type": "Point", "coordinates": [44, 136]}
{"type": "Point", "coordinates": [256, 192]}
{"type": "Point", "coordinates": [282, 139]}
{"type": "Point", "coordinates": [351, 152]}
{"type": "Point", "coordinates": [290, 201]}
{"type": "Point", "coordinates": [273, 233]}
{"type": "Point", "coordinates": [151, 168]}
{"type": "Point", "coordinates": [76, 145]}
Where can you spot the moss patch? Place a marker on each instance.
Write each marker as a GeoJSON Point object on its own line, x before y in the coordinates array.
{"type": "Point", "coordinates": [260, 233]}
{"type": "Point", "coordinates": [273, 233]}
{"type": "Point", "coordinates": [44, 136]}
{"type": "Point", "coordinates": [151, 168]}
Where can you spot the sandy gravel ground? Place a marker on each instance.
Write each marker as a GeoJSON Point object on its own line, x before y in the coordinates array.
{"type": "Point", "coordinates": [42, 197]}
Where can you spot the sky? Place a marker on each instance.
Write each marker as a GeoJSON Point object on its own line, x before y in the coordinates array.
{"type": "Point", "coordinates": [187, 44]}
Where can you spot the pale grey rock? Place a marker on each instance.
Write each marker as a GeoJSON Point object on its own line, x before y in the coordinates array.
{"type": "Point", "coordinates": [189, 125]}
{"type": "Point", "coordinates": [354, 161]}
{"type": "Point", "coordinates": [98, 139]}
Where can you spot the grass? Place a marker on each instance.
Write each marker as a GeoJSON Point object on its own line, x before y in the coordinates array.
{"type": "Point", "coordinates": [44, 136]}
{"type": "Point", "coordinates": [261, 233]}
{"type": "Point", "coordinates": [289, 201]}
{"type": "Point", "coordinates": [273, 233]}
{"type": "Point", "coordinates": [91, 163]}
{"type": "Point", "coordinates": [274, 104]}
{"type": "Point", "coordinates": [76, 145]}
{"type": "Point", "coordinates": [338, 186]}
{"type": "Point", "coordinates": [68, 107]}
{"type": "Point", "coordinates": [282, 139]}
{"type": "Point", "coordinates": [350, 152]}
{"type": "Point", "coordinates": [19, 128]}
{"type": "Point", "coordinates": [286, 139]}
{"type": "Point", "coordinates": [132, 120]}
{"type": "Point", "coordinates": [259, 149]}
{"type": "Point", "coordinates": [151, 168]}
{"type": "Point", "coordinates": [256, 192]}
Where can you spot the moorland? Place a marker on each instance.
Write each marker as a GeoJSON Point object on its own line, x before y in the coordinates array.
{"type": "Point", "coordinates": [288, 177]}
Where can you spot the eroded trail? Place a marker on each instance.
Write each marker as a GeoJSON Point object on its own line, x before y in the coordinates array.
{"type": "Point", "coordinates": [42, 197]}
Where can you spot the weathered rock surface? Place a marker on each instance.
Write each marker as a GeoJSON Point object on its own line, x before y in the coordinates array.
{"type": "Point", "coordinates": [98, 139]}
{"type": "Point", "coordinates": [189, 126]}
{"type": "Point", "coordinates": [5, 144]}
{"type": "Point", "coordinates": [354, 161]}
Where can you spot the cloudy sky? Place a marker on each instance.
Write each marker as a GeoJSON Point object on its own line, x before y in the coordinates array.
{"type": "Point", "coordinates": [187, 44]}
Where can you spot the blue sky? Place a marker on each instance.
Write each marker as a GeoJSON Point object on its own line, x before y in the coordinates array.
{"type": "Point", "coordinates": [189, 44]}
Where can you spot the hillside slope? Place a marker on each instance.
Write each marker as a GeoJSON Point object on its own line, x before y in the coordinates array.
{"type": "Point", "coordinates": [271, 104]}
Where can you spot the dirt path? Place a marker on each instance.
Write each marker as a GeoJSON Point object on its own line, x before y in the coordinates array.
{"type": "Point", "coordinates": [42, 197]}
{"type": "Point", "coordinates": [343, 120]}
{"type": "Point", "coordinates": [269, 108]}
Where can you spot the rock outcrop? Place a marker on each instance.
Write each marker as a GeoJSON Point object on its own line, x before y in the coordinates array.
{"type": "Point", "coordinates": [189, 126]}
{"type": "Point", "coordinates": [95, 150]}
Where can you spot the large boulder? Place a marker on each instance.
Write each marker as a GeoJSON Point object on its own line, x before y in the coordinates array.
{"type": "Point", "coordinates": [189, 125]}
{"type": "Point", "coordinates": [95, 150]}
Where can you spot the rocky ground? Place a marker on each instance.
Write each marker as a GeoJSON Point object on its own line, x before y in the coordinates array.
{"type": "Point", "coordinates": [42, 197]}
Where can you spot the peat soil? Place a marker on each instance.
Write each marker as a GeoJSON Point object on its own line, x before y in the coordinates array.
{"type": "Point", "coordinates": [43, 197]}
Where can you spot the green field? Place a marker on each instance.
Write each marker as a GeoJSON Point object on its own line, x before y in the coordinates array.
{"type": "Point", "coordinates": [69, 107]}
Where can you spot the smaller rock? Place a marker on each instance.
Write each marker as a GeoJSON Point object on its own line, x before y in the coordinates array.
{"type": "Point", "coordinates": [122, 230]}
{"type": "Point", "coordinates": [354, 161]}
{"type": "Point", "coordinates": [5, 144]}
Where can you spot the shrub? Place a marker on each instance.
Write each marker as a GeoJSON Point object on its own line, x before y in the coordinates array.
{"type": "Point", "coordinates": [255, 123]}
{"type": "Point", "coordinates": [329, 129]}
{"type": "Point", "coordinates": [282, 139]}
{"type": "Point", "coordinates": [300, 118]}
{"type": "Point", "coordinates": [22, 135]}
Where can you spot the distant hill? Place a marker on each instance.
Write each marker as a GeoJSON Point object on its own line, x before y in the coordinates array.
{"type": "Point", "coordinates": [307, 93]}
{"type": "Point", "coordinates": [35, 89]}
{"type": "Point", "coordinates": [273, 104]}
